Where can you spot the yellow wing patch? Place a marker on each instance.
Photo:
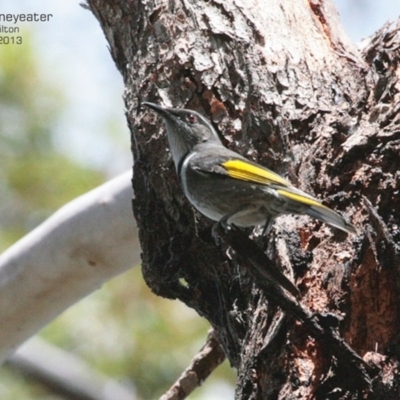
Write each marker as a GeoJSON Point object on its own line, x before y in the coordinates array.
{"type": "Point", "coordinates": [301, 199]}
{"type": "Point", "coordinates": [246, 171]}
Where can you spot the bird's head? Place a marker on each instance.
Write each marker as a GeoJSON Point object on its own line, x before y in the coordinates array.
{"type": "Point", "coordinates": [185, 129]}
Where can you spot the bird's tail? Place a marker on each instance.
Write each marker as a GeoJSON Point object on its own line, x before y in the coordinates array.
{"type": "Point", "coordinates": [330, 217]}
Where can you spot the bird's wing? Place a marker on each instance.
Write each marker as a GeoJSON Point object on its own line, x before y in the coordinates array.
{"type": "Point", "coordinates": [248, 171]}
{"type": "Point", "coordinates": [237, 167]}
{"type": "Point", "coordinates": [234, 166]}
{"type": "Point", "coordinates": [251, 172]}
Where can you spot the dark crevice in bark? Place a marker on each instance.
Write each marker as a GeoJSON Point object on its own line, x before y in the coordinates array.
{"type": "Point", "coordinates": [296, 97]}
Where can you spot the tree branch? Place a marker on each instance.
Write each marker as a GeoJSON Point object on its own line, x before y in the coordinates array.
{"type": "Point", "coordinates": [282, 85]}
{"type": "Point", "coordinates": [83, 245]}
{"type": "Point", "coordinates": [65, 373]}
{"type": "Point", "coordinates": [203, 364]}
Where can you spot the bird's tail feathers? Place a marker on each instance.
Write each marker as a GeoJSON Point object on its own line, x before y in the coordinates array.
{"type": "Point", "coordinates": [330, 217]}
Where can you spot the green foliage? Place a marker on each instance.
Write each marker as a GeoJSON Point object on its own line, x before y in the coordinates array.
{"type": "Point", "coordinates": [29, 105]}
{"type": "Point", "coordinates": [14, 386]}
{"type": "Point", "coordinates": [35, 179]}
{"type": "Point", "coordinates": [127, 332]}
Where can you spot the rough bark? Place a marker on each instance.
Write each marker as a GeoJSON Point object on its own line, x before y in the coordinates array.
{"type": "Point", "coordinates": [285, 87]}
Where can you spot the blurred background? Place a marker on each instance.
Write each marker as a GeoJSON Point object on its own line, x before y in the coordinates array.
{"type": "Point", "coordinates": [62, 133]}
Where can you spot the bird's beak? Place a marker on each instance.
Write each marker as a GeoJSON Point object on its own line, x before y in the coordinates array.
{"type": "Point", "coordinates": [158, 109]}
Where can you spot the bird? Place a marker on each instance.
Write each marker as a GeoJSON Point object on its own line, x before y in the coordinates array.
{"type": "Point", "coordinates": [225, 186]}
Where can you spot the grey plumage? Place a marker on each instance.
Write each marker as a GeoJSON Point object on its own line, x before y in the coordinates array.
{"type": "Point", "coordinates": [220, 182]}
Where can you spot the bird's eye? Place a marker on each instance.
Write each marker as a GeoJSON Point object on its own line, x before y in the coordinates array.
{"type": "Point", "coordinates": [192, 118]}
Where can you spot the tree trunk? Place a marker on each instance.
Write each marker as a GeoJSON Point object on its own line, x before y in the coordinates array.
{"type": "Point", "coordinates": [286, 88]}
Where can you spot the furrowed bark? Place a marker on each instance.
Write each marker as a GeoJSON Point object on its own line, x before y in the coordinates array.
{"type": "Point", "coordinates": [285, 87]}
